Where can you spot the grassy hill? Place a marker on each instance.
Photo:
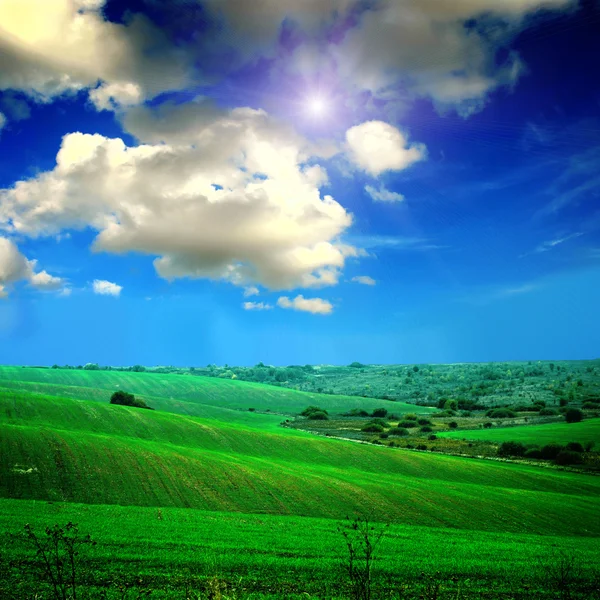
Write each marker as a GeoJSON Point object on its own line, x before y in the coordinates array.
{"type": "Point", "coordinates": [178, 393]}
{"type": "Point", "coordinates": [586, 431]}
{"type": "Point", "coordinates": [77, 451]}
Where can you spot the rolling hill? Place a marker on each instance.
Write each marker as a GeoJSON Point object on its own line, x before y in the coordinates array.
{"type": "Point", "coordinates": [77, 451]}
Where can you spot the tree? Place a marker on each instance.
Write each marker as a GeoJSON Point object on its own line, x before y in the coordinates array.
{"type": "Point", "coordinates": [126, 399]}
{"type": "Point", "coordinates": [573, 415]}
{"type": "Point", "coordinates": [91, 367]}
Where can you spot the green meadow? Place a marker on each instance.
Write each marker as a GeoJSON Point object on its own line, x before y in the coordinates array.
{"type": "Point", "coordinates": [176, 497]}
{"type": "Point", "coordinates": [562, 433]}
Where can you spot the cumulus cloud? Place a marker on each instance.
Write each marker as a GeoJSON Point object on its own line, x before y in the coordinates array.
{"type": "Point", "coordinates": [376, 147]}
{"type": "Point", "coordinates": [230, 198]}
{"type": "Point", "coordinates": [256, 306]}
{"type": "Point", "coordinates": [382, 194]}
{"type": "Point", "coordinates": [52, 47]}
{"type": "Point", "coordinates": [106, 288]}
{"type": "Point", "coordinates": [15, 267]}
{"type": "Point", "coordinates": [434, 49]}
{"type": "Point", "coordinates": [251, 291]}
{"type": "Point", "coordinates": [363, 280]}
{"type": "Point", "coordinates": [317, 306]}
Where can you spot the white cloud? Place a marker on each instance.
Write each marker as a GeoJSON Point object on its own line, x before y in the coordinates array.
{"type": "Point", "coordinates": [376, 147]}
{"type": "Point", "coordinates": [228, 197]}
{"type": "Point", "coordinates": [256, 306]}
{"type": "Point", "coordinates": [106, 288]}
{"type": "Point", "coordinates": [52, 47]}
{"type": "Point", "coordinates": [364, 280]}
{"type": "Point", "coordinates": [251, 291]}
{"type": "Point", "coordinates": [317, 306]}
{"type": "Point", "coordinates": [383, 194]}
{"type": "Point", "coordinates": [15, 267]}
{"type": "Point", "coordinates": [2, 121]}
{"type": "Point", "coordinates": [425, 46]}
{"type": "Point", "coordinates": [549, 245]}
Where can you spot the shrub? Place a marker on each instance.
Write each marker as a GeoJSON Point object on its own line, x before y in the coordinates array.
{"type": "Point", "coordinates": [384, 436]}
{"type": "Point", "coordinates": [376, 441]}
{"type": "Point", "coordinates": [466, 413]}
{"type": "Point", "coordinates": [318, 415]}
{"type": "Point", "coordinates": [126, 399]}
{"type": "Point", "coordinates": [251, 409]}
{"type": "Point", "coordinates": [381, 422]}
{"type": "Point", "coordinates": [548, 412]}
{"type": "Point", "coordinates": [432, 437]}
{"type": "Point", "coordinates": [424, 422]}
{"type": "Point", "coordinates": [574, 447]}
{"type": "Point", "coordinates": [421, 447]}
{"type": "Point", "coordinates": [372, 428]}
{"type": "Point", "coordinates": [407, 423]}
{"type": "Point", "coordinates": [453, 425]}
{"type": "Point", "coordinates": [501, 413]}
{"type": "Point", "coordinates": [551, 451]}
{"type": "Point", "coordinates": [356, 412]}
{"type": "Point", "coordinates": [487, 425]}
{"type": "Point", "coordinates": [398, 431]}
{"type": "Point", "coordinates": [410, 417]}
{"type": "Point", "coordinates": [309, 410]}
{"type": "Point", "coordinates": [568, 457]}
{"type": "Point", "coordinates": [511, 449]}
{"type": "Point", "coordinates": [533, 453]}
{"type": "Point", "coordinates": [587, 405]}
{"type": "Point", "coordinates": [589, 445]}
{"type": "Point", "coordinates": [426, 429]}
{"type": "Point", "coordinates": [573, 415]}
{"type": "Point", "coordinates": [563, 401]}
{"type": "Point", "coordinates": [379, 412]}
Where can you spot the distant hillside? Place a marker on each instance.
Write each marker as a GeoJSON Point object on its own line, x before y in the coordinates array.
{"type": "Point", "coordinates": [178, 393]}
{"type": "Point", "coordinates": [78, 451]}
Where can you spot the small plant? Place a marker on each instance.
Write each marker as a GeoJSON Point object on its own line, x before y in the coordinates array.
{"type": "Point", "coordinates": [563, 573]}
{"type": "Point", "coordinates": [362, 539]}
{"type": "Point", "coordinates": [59, 552]}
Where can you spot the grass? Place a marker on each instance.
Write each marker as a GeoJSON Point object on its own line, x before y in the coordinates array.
{"type": "Point", "coordinates": [271, 556]}
{"type": "Point", "coordinates": [76, 451]}
{"type": "Point", "coordinates": [177, 392]}
{"type": "Point", "coordinates": [583, 432]}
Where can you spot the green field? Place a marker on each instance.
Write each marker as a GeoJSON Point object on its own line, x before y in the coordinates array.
{"type": "Point", "coordinates": [183, 393]}
{"type": "Point", "coordinates": [232, 493]}
{"type": "Point", "coordinates": [562, 433]}
{"type": "Point", "coordinates": [272, 556]}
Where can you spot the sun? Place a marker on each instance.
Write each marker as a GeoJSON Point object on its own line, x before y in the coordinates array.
{"type": "Point", "coordinates": [316, 106]}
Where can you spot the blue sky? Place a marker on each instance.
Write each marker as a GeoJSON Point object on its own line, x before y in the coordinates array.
{"type": "Point", "coordinates": [223, 182]}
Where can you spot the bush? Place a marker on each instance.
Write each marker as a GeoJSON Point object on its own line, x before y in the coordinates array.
{"type": "Point", "coordinates": [421, 447]}
{"type": "Point", "coordinates": [487, 425]}
{"type": "Point", "coordinates": [407, 423]}
{"type": "Point", "coordinates": [424, 422]}
{"type": "Point", "coordinates": [573, 415]}
{"type": "Point", "coordinates": [533, 453]}
{"type": "Point", "coordinates": [563, 401]}
{"type": "Point", "coordinates": [589, 405]}
{"type": "Point", "coordinates": [551, 451]}
{"type": "Point", "coordinates": [126, 399]}
{"type": "Point", "coordinates": [511, 449]}
{"type": "Point", "coordinates": [426, 429]}
{"type": "Point", "coordinates": [309, 410]}
{"type": "Point", "coordinates": [318, 415]}
{"type": "Point", "coordinates": [356, 412]}
{"type": "Point", "coordinates": [384, 436]}
{"type": "Point", "coordinates": [501, 413]}
{"type": "Point", "coordinates": [398, 431]}
{"type": "Point", "coordinates": [548, 412]}
{"type": "Point", "coordinates": [574, 447]}
{"type": "Point", "coordinates": [568, 457]}
{"type": "Point", "coordinates": [251, 409]}
{"type": "Point", "coordinates": [410, 417]}
{"type": "Point", "coordinates": [453, 425]}
{"type": "Point", "coordinates": [432, 437]}
{"type": "Point", "coordinates": [379, 412]}
{"type": "Point", "coordinates": [372, 428]}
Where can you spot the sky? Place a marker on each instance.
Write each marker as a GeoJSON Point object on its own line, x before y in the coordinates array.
{"type": "Point", "coordinates": [313, 182]}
